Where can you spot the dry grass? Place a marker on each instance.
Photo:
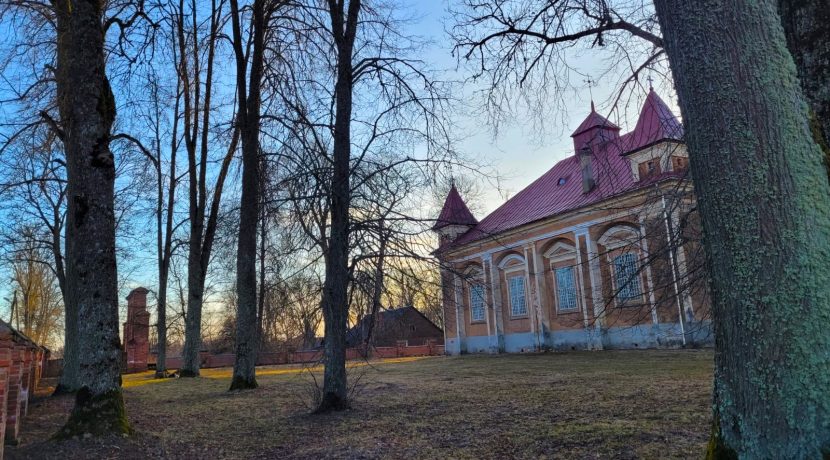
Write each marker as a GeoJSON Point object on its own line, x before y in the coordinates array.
{"type": "Point", "coordinates": [637, 404]}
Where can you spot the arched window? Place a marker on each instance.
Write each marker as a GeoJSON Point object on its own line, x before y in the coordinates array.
{"type": "Point", "coordinates": [562, 256]}
{"type": "Point", "coordinates": [627, 276]}
{"type": "Point", "coordinates": [477, 302]}
{"type": "Point", "coordinates": [622, 243]}
{"type": "Point", "coordinates": [516, 288]}
{"type": "Point", "coordinates": [565, 288]}
{"type": "Point", "coordinates": [514, 267]}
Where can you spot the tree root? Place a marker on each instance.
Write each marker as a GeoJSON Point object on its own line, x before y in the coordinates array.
{"type": "Point", "coordinates": [331, 402]}
{"type": "Point", "coordinates": [241, 383]}
{"type": "Point", "coordinates": [96, 415]}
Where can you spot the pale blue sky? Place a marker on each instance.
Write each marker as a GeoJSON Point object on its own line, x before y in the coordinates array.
{"type": "Point", "coordinates": [520, 151]}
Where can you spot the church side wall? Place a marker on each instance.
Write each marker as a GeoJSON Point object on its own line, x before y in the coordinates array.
{"type": "Point", "coordinates": [649, 319]}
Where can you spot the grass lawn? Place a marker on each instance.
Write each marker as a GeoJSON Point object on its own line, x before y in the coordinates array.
{"type": "Point", "coordinates": [615, 404]}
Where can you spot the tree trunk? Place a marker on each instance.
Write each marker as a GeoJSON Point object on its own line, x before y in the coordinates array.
{"type": "Point", "coordinates": [807, 28]}
{"type": "Point", "coordinates": [193, 319]}
{"type": "Point", "coordinates": [87, 109]}
{"type": "Point", "coordinates": [248, 117]}
{"type": "Point", "coordinates": [762, 193]}
{"type": "Point", "coordinates": [335, 287]}
{"type": "Point", "coordinates": [165, 244]}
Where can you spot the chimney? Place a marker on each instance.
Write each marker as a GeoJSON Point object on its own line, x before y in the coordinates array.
{"type": "Point", "coordinates": [586, 163]}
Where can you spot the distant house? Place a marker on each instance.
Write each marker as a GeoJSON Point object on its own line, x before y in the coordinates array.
{"type": "Point", "coordinates": [404, 325]}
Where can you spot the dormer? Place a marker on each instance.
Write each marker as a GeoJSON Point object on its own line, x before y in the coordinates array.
{"type": "Point", "coordinates": [656, 146]}
{"type": "Point", "coordinates": [455, 218]}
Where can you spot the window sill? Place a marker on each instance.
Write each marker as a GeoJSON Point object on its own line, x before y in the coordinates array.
{"type": "Point", "coordinates": [525, 316]}
{"type": "Point", "coordinates": [634, 302]}
{"type": "Point", "coordinates": [567, 312]}
{"type": "Point", "coordinates": [478, 321]}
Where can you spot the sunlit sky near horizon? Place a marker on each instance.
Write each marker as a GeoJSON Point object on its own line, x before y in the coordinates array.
{"type": "Point", "coordinates": [519, 152]}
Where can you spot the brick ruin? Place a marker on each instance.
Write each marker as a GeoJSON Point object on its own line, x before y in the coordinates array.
{"type": "Point", "coordinates": [22, 362]}
{"type": "Point", "coordinates": [137, 332]}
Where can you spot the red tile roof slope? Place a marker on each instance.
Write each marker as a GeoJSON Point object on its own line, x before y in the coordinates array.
{"type": "Point", "coordinates": [454, 212]}
{"type": "Point", "coordinates": [559, 190]}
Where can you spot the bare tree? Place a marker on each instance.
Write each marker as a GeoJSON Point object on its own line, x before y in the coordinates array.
{"type": "Point", "coordinates": [38, 308]}
{"type": "Point", "coordinates": [523, 46]}
{"type": "Point", "coordinates": [197, 89]}
{"type": "Point", "coordinates": [249, 119]}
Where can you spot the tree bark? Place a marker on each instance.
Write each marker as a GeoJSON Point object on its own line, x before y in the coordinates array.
{"type": "Point", "coordinates": [248, 118]}
{"type": "Point", "coordinates": [334, 302]}
{"type": "Point", "coordinates": [87, 109]}
{"type": "Point", "coordinates": [807, 28]}
{"type": "Point", "coordinates": [762, 194]}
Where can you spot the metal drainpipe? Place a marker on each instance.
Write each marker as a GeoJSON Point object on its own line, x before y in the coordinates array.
{"type": "Point", "coordinates": [673, 262]}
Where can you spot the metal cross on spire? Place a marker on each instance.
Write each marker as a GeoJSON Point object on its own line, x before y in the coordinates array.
{"type": "Point", "coordinates": [650, 82]}
{"type": "Point", "coordinates": [591, 83]}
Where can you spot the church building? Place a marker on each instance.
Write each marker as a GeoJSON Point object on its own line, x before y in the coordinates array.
{"type": "Point", "coordinates": [602, 251]}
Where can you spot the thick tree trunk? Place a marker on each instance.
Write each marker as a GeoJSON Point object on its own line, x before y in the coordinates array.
{"type": "Point", "coordinates": [87, 109]}
{"type": "Point", "coordinates": [762, 193]}
{"type": "Point", "coordinates": [807, 28]}
{"type": "Point", "coordinates": [335, 287]}
{"type": "Point", "coordinates": [248, 116]}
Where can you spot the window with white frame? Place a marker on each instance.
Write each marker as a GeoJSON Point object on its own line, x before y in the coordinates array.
{"type": "Point", "coordinates": [626, 278]}
{"type": "Point", "coordinates": [477, 302]}
{"type": "Point", "coordinates": [565, 288]}
{"type": "Point", "coordinates": [516, 288]}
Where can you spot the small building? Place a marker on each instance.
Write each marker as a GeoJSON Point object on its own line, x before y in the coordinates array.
{"type": "Point", "coordinates": [593, 254]}
{"type": "Point", "coordinates": [137, 332]}
{"type": "Point", "coordinates": [401, 326]}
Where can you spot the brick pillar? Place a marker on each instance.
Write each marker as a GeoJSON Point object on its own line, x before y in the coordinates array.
{"type": "Point", "coordinates": [4, 387]}
{"type": "Point", "coordinates": [13, 399]}
{"type": "Point", "coordinates": [25, 380]}
{"type": "Point", "coordinates": [137, 331]}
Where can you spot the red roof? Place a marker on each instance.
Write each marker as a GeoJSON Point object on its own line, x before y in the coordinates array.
{"type": "Point", "coordinates": [454, 212]}
{"type": "Point", "coordinates": [594, 120]}
{"type": "Point", "coordinates": [656, 123]}
{"type": "Point", "coordinates": [559, 190]}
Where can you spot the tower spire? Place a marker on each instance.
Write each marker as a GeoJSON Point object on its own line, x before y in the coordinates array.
{"type": "Point", "coordinates": [590, 82]}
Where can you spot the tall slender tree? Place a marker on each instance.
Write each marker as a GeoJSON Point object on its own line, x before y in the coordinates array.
{"type": "Point", "coordinates": [763, 198]}
{"type": "Point", "coordinates": [248, 118]}
{"type": "Point", "coordinates": [197, 91]}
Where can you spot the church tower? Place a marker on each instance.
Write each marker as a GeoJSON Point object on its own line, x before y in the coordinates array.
{"type": "Point", "coordinates": [455, 218]}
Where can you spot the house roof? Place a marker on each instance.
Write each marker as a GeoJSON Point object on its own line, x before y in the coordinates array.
{"type": "Point", "coordinates": [559, 190]}
{"type": "Point", "coordinates": [358, 332]}
{"type": "Point", "coordinates": [454, 212]}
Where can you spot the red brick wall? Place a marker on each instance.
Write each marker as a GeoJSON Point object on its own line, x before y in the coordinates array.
{"type": "Point", "coordinates": [313, 356]}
